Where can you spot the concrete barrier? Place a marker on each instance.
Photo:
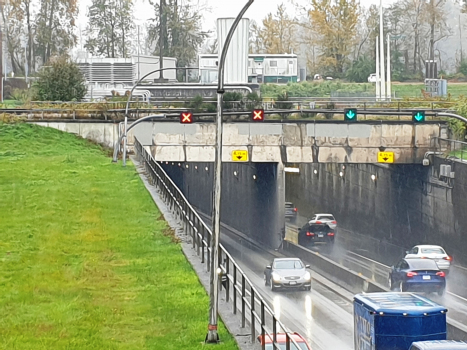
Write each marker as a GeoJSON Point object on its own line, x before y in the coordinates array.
{"type": "Point", "coordinates": [351, 280]}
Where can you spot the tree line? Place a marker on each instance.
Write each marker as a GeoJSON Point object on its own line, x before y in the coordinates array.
{"type": "Point", "coordinates": [36, 32]}
{"type": "Point", "coordinates": [337, 37]}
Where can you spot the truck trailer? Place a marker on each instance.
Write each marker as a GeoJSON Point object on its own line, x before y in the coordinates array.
{"type": "Point", "coordinates": [392, 321]}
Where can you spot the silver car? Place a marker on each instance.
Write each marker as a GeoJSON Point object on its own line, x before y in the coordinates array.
{"type": "Point", "coordinates": [285, 273]}
{"type": "Point", "coordinates": [324, 219]}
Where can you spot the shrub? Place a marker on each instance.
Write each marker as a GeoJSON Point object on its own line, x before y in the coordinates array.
{"type": "Point", "coordinates": [60, 80]}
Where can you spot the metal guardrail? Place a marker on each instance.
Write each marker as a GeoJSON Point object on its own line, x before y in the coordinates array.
{"type": "Point", "coordinates": [454, 149]}
{"type": "Point", "coordinates": [237, 286]}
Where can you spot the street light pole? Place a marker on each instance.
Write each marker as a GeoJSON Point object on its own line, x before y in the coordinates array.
{"type": "Point", "coordinates": [381, 51]}
{"type": "Point", "coordinates": [124, 135]}
{"type": "Point", "coordinates": [212, 336]}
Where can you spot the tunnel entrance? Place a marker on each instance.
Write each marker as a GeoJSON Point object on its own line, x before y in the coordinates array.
{"type": "Point", "coordinates": [252, 195]}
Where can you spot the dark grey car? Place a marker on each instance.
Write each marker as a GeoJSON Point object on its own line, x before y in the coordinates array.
{"type": "Point", "coordinates": [287, 273]}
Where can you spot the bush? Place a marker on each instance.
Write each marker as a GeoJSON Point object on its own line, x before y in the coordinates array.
{"type": "Point", "coordinates": [197, 105]}
{"type": "Point", "coordinates": [60, 80]}
{"type": "Point", "coordinates": [21, 95]}
{"type": "Point", "coordinates": [456, 126]}
{"type": "Point", "coordinates": [253, 101]}
{"type": "Point", "coordinates": [12, 84]}
{"type": "Point", "coordinates": [232, 100]}
{"type": "Point", "coordinates": [462, 67]}
{"type": "Point", "coordinates": [361, 69]}
{"type": "Point", "coordinates": [313, 89]}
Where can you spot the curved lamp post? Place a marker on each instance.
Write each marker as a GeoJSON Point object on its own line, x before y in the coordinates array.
{"type": "Point", "coordinates": [125, 131]}
{"type": "Point", "coordinates": [212, 336]}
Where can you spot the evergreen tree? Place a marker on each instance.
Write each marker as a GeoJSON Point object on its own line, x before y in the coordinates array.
{"type": "Point", "coordinates": [60, 80]}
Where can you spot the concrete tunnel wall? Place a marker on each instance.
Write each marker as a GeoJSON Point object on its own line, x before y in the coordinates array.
{"type": "Point", "coordinates": [406, 204]}
{"type": "Point", "coordinates": [249, 205]}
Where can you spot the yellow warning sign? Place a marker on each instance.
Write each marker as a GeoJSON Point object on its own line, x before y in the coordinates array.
{"type": "Point", "coordinates": [385, 157]}
{"type": "Point", "coordinates": [240, 156]}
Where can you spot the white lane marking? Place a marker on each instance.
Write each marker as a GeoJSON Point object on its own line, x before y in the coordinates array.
{"type": "Point", "coordinates": [457, 296]}
{"type": "Point", "coordinates": [460, 267]}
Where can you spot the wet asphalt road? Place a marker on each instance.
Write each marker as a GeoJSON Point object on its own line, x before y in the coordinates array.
{"type": "Point", "coordinates": [322, 316]}
{"type": "Point", "coordinates": [374, 259]}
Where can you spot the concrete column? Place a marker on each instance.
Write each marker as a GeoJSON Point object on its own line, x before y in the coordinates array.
{"type": "Point", "coordinates": [280, 203]}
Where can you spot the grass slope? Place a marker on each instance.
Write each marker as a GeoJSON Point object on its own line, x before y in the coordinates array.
{"type": "Point", "coordinates": [87, 261]}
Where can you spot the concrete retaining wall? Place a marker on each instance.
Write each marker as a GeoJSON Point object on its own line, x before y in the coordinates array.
{"type": "Point", "coordinates": [403, 206]}
{"type": "Point", "coordinates": [297, 142]}
{"type": "Point", "coordinates": [252, 195]}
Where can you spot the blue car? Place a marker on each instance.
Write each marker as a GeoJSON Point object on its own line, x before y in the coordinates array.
{"type": "Point", "coordinates": [417, 275]}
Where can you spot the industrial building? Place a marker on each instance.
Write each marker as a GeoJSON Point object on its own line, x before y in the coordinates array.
{"type": "Point", "coordinates": [262, 68]}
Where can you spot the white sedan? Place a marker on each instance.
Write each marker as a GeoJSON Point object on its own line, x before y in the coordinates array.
{"type": "Point", "coordinates": [434, 252]}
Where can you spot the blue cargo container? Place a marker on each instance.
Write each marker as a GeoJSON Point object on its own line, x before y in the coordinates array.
{"type": "Point", "coordinates": [392, 321]}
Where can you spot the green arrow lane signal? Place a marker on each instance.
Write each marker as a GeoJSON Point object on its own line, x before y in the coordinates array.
{"type": "Point", "coordinates": [418, 116]}
{"type": "Point", "coordinates": [350, 114]}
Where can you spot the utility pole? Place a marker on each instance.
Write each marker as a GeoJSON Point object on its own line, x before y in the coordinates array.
{"type": "Point", "coordinates": [162, 32]}
{"type": "Point", "coordinates": [432, 34]}
{"type": "Point", "coordinates": [381, 50]}
{"type": "Point", "coordinates": [138, 53]}
{"type": "Point", "coordinates": [388, 53]}
{"type": "Point", "coordinates": [378, 76]}
{"type": "Point", "coordinates": [460, 37]}
{"type": "Point", "coordinates": [1, 54]}
{"type": "Point", "coordinates": [213, 336]}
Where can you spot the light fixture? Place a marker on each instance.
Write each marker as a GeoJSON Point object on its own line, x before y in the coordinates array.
{"type": "Point", "coordinates": [343, 167]}
{"type": "Point", "coordinates": [235, 173]}
{"type": "Point", "coordinates": [315, 171]}
{"type": "Point", "coordinates": [186, 166]}
{"type": "Point", "coordinates": [291, 170]}
{"type": "Point", "coordinates": [178, 164]}
{"type": "Point", "coordinates": [254, 177]}
{"type": "Point", "coordinates": [196, 167]}
{"type": "Point", "coordinates": [341, 174]}
{"type": "Point", "coordinates": [373, 177]}
{"type": "Point", "coordinates": [206, 168]}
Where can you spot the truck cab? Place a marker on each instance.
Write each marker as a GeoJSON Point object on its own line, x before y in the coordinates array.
{"type": "Point", "coordinates": [393, 321]}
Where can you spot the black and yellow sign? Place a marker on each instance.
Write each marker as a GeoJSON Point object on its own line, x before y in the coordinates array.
{"type": "Point", "coordinates": [240, 156]}
{"type": "Point", "coordinates": [385, 157]}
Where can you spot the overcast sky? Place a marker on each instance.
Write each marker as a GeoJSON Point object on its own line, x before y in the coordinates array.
{"type": "Point", "coordinates": [219, 8]}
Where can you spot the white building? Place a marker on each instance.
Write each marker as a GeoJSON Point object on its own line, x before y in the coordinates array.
{"type": "Point", "coordinates": [262, 68]}
{"type": "Point", "coordinates": [126, 71]}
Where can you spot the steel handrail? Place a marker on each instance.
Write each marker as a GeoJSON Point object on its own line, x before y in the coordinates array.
{"type": "Point", "coordinates": [250, 297]}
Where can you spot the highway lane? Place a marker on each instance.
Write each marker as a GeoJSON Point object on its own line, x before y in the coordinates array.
{"type": "Point", "coordinates": [323, 317]}
{"type": "Point", "coordinates": [361, 254]}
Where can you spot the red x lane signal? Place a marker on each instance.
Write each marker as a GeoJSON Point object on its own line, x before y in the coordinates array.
{"type": "Point", "coordinates": [257, 115]}
{"type": "Point", "coordinates": [186, 117]}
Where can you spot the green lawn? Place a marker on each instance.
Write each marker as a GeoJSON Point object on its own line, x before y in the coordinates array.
{"type": "Point", "coordinates": [10, 104]}
{"type": "Point", "coordinates": [324, 89]}
{"type": "Point", "coordinates": [87, 261]}
{"type": "Point", "coordinates": [459, 154]}
{"type": "Point", "coordinates": [415, 89]}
